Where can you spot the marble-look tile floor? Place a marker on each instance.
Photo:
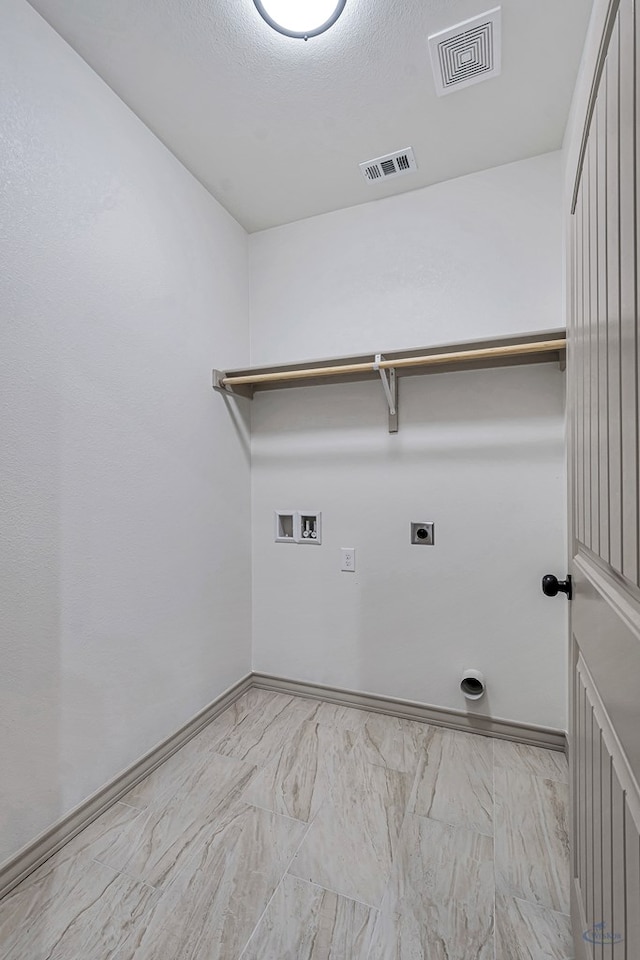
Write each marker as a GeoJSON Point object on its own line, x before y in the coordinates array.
{"type": "Point", "coordinates": [291, 829]}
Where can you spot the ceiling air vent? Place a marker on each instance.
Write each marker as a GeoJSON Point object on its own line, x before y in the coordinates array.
{"type": "Point", "coordinates": [466, 53]}
{"type": "Point", "coordinates": [392, 165]}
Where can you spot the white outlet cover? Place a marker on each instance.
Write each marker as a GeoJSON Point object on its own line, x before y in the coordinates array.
{"type": "Point", "coordinates": [348, 564]}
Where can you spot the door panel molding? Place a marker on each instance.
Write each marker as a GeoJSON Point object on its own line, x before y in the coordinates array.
{"type": "Point", "coordinates": [609, 649]}
{"type": "Point", "coordinates": [594, 57]}
{"type": "Point", "coordinates": [606, 883]}
{"type": "Point", "coordinates": [626, 776]}
{"type": "Point", "coordinates": [624, 597]}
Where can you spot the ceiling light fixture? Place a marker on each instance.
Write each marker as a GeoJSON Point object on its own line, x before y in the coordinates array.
{"type": "Point", "coordinates": [300, 18]}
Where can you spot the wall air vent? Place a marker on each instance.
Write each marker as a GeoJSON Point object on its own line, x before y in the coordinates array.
{"type": "Point", "coordinates": [391, 165]}
{"type": "Point", "coordinates": [466, 53]}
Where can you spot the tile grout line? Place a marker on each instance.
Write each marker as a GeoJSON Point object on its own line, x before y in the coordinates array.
{"type": "Point", "coordinates": [128, 876]}
{"type": "Point", "coordinates": [343, 896]}
{"type": "Point", "coordinates": [456, 826]}
{"type": "Point", "coordinates": [275, 813]}
{"type": "Point", "coordinates": [540, 906]}
{"type": "Point", "coordinates": [131, 876]}
{"type": "Point", "coordinates": [277, 886]}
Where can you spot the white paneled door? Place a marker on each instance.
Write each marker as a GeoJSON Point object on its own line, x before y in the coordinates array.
{"type": "Point", "coordinates": [604, 362]}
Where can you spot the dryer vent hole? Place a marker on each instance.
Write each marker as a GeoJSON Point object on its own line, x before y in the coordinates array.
{"type": "Point", "coordinates": [472, 686]}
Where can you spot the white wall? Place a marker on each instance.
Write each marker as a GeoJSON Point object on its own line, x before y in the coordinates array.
{"type": "Point", "coordinates": [124, 515]}
{"type": "Point", "coordinates": [464, 259]}
{"type": "Point", "coordinates": [480, 453]}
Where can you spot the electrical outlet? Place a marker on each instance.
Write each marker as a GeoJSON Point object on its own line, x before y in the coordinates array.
{"type": "Point", "coordinates": [348, 559]}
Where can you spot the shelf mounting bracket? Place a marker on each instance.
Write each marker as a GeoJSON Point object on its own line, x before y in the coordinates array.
{"type": "Point", "coordinates": [216, 381]}
{"type": "Point", "coordinates": [390, 386]}
{"type": "Point", "coordinates": [217, 377]}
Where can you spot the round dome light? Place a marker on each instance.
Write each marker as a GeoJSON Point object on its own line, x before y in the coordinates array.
{"type": "Point", "coordinates": [300, 18]}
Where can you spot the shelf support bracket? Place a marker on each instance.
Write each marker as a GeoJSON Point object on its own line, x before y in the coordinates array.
{"type": "Point", "coordinates": [217, 376]}
{"type": "Point", "coordinates": [390, 386]}
{"type": "Point", "coordinates": [216, 381]}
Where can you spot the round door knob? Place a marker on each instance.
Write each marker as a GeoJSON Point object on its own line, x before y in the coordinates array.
{"type": "Point", "coordinates": [551, 586]}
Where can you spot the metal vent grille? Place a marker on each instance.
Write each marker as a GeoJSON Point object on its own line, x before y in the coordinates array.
{"type": "Point", "coordinates": [391, 165]}
{"type": "Point", "coordinates": [467, 53]}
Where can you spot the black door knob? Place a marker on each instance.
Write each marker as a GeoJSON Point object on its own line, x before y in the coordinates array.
{"type": "Point", "coordinates": [551, 586]}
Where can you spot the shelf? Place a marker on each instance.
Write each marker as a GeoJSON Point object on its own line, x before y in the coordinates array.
{"type": "Point", "coordinates": [545, 347]}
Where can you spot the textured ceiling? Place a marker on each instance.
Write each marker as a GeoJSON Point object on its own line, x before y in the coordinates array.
{"type": "Point", "coordinates": [275, 127]}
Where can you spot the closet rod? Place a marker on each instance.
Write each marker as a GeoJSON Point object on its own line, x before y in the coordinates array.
{"type": "Point", "coordinates": [484, 353]}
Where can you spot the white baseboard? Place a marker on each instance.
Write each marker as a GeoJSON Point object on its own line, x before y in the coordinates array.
{"type": "Point", "coordinates": [29, 858]}
{"type": "Point", "coordinates": [531, 734]}
{"type": "Point", "coordinates": [14, 870]}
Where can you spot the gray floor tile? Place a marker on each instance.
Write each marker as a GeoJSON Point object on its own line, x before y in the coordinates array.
{"type": "Point", "coordinates": [262, 734]}
{"type": "Point", "coordinates": [454, 782]}
{"type": "Point", "coordinates": [532, 842]}
{"type": "Point", "coordinates": [296, 782]}
{"type": "Point", "coordinates": [71, 908]}
{"type": "Point", "coordinates": [395, 743]}
{"type": "Point", "coordinates": [366, 879]}
{"type": "Point", "coordinates": [525, 931]}
{"type": "Point", "coordinates": [440, 898]}
{"type": "Point", "coordinates": [549, 764]}
{"type": "Point", "coordinates": [340, 717]}
{"type": "Point", "coordinates": [213, 905]}
{"type": "Point", "coordinates": [156, 845]}
{"type": "Point", "coordinates": [350, 846]}
{"type": "Point", "coordinates": [167, 779]}
{"type": "Point", "coordinates": [306, 922]}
